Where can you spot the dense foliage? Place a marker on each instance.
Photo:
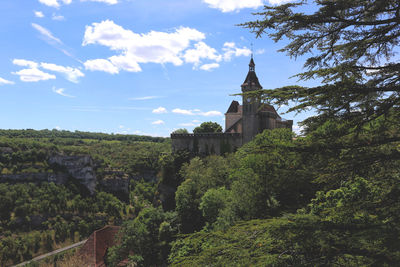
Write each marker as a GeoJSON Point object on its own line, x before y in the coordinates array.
{"type": "Point", "coordinates": [30, 155]}
{"type": "Point", "coordinates": [329, 198]}
{"type": "Point", "coordinates": [208, 127]}
{"type": "Point", "coordinates": [30, 133]}
{"type": "Point", "coordinates": [350, 152]}
{"type": "Point", "coordinates": [36, 217]}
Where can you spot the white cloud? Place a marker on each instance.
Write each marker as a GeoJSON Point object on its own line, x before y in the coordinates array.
{"type": "Point", "coordinates": [46, 34]}
{"type": "Point", "coordinates": [51, 3]}
{"type": "Point", "coordinates": [160, 110]}
{"type": "Point", "coordinates": [234, 5]}
{"type": "Point", "coordinates": [298, 129]}
{"type": "Point", "coordinates": [209, 67]}
{"type": "Point", "coordinates": [197, 112]}
{"type": "Point", "coordinates": [38, 14]}
{"type": "Point", "coordinates": [110, 2]}
{"type": "Point", "coordinates": [126, 62]}
{"type": "Point", "coordinates": [57, 17]}
{"type": "Point", "coordinates": [134, 48]}
{"type": "Point", "coordinates": [61, 91]}
{"type": "Point", "coordinates": [158, 122]}
{"type": "Point", "coordinates": [145, 98]}
{"type": "Point", "coordinates": [101, 65]}
{"type": "Point", "coordinates": [183, 111]}
{"type": "Point", "coordinates": [201, 51]}
{"type": "Point", "coordinates": [33, 75]}
{"type": "Point", "coordinates": [4, 81]}
{"type": "Point", "coordinates": [57, 128]}
{"type": "Point", "coordinates": [211, 113]}
{"type": "Point", "coordinates": [25, 63]}
{"type": "Point", "coordinates": [55, 3]}
{"type": "Point", "coordinates": [231, 50]}
{"type": "Point", "coordinates": [71, 74]}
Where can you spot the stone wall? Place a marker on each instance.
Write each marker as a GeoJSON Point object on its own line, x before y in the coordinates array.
{"type": "Point", "coordinates": [95, 248]}
{"type": "Point", "coordinates": [207, 143]}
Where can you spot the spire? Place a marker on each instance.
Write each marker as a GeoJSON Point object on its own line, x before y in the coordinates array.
{"type": "Point", "coordinates": [251, 78]}
{"type": "Point", "coordinates": [252, 66]}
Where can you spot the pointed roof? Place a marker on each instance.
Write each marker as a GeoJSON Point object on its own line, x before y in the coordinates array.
{"type": "Point", "coordinates": [234, 107]}
{"type": "Point", "coordinates": [251, 77]}
{"type": "Point", "coordinates": [252, 64]}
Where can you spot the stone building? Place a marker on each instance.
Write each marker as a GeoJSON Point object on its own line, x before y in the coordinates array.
{"type": "Point", "coordinates": [242, 123]}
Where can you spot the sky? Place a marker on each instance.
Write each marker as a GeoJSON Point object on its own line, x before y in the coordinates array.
{"type": "Point", "coordinates": [144, 67]}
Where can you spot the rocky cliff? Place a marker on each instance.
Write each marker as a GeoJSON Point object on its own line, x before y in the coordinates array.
{"type": "Point", "coordinates": [81, 168]}
{"type": "Point", "coordinates": [64, 167]}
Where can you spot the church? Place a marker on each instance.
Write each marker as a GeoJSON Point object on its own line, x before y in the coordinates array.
{"type": "Point", "coordinates": [242, 123]}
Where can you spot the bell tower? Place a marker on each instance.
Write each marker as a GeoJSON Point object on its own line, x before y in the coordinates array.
{"type": "Point", "coordinates": [251, 104]}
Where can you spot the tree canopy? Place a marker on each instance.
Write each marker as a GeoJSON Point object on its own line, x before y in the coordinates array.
{"type": "Point", "coordinates": [350, 150]}
{"type": "Point", "coordinates": [354, 46]}
{"type": "Point", "coordinates": [208, 127]}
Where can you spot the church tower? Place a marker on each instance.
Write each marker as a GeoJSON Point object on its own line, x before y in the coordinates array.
{"type": "Point", "coordinates": [251, 105]}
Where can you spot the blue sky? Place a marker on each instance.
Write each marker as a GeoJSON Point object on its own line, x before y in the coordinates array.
{"type": "Point", "coordinates": [130, 66]}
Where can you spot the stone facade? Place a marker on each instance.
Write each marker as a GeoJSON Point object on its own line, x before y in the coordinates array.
{"type": "Point", "coordinates": [207, 143]}
{"type": "Point", "coordinates": [242, 123]}
{"type": "Point", "coordinates": [95, 248]}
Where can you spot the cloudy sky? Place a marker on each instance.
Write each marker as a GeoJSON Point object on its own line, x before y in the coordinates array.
{"type": "Point", "coordinates": [129, 66]}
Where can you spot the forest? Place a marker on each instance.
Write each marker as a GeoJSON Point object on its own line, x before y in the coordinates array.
{"type": "Point", "coordinates": [37, 217]}
{"type": "Point", "coordinates": [329, 196]}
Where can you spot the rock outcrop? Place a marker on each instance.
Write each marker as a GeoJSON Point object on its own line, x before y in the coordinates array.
{"type": "Point", "coordinates": [79, 167]}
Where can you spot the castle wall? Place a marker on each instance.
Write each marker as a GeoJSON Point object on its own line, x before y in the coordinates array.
{"type": "Point", "coordinates": [231, 119]}
{"type": "Point", "coordinates": [207, 143]}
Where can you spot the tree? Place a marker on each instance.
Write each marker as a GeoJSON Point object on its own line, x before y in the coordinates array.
{"type": "Point", "coordinates": [180, 131]}
{"type": "Point", "coordinates": [208, 127]}
{"type": "Point", "coordinates": [143, 238]}
{"type": "Point", "coordinates": [213, 202]}
{"type": "Point", "coordinates": [354, 45]}
{"type": "Point", "coordinates": [355, 130]}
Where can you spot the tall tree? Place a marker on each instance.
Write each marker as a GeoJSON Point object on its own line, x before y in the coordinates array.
{"type": "Point", "coordinates": [353, 140]}
{"type": "Point", "coordinates": [354, 46]}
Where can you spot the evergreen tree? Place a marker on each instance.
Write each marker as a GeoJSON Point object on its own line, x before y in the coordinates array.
{"type": "Point", "coordinates": [354, 45]}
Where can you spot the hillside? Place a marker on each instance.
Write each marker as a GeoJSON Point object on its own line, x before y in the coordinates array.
{"type": "Point", "coordinates": [56, 187]}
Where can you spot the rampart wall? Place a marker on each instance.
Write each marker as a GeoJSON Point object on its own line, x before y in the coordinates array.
{"type": "Point", "coordinates": [207, 143]}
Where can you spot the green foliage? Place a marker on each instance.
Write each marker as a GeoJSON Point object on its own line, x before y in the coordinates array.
{"type": "Point", "coordinates": [200, 175]}
{"type": "Point", "coordinates": [30, 133]}
{"type": "Point", "coordinates": [296, 240]}
{"type": "Point", "coordinates": [180, 131]}
{"type": "Point", "coordinates": [213, 202]}
{"type": "Point", "coordinates": [146, 236]}
{"type": "Point", "coordinates": [30, 155]}
{"type": "Point", "coordinates": [187, 206]}
{"type": "Point", "coordinates": [208, 127]}
{"type": "Point", "coordinates": [350, 151]}
{"type": "Point", "coordinates": [46, 214]}
{"type": "Point", "coordinates": [257, 185]}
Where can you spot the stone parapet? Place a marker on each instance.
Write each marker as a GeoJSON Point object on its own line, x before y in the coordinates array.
{"type": "Point", "coordinates": [207, 143]}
